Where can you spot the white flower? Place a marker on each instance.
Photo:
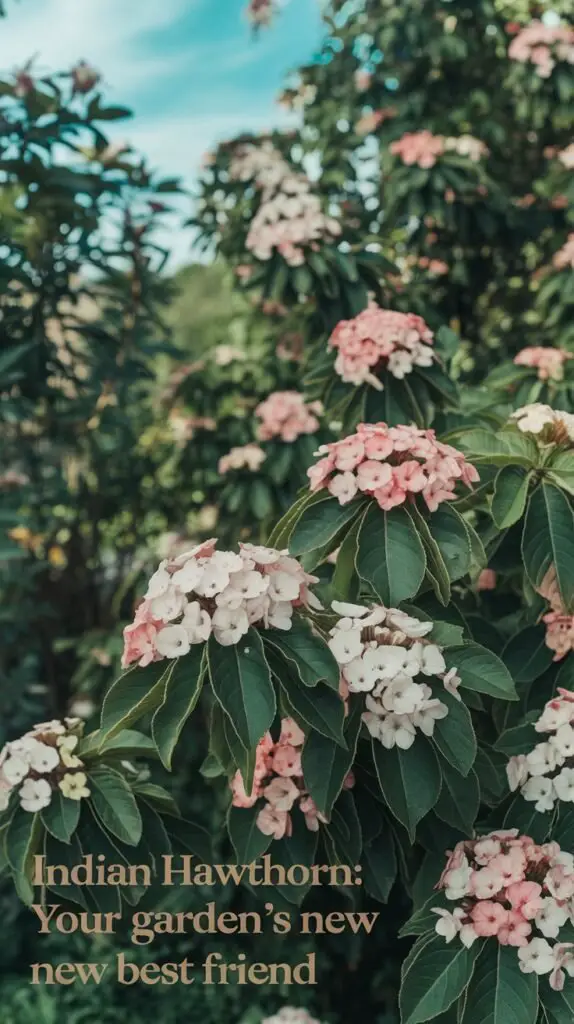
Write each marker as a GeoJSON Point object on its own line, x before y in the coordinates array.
{"type": "Point", "coordinates": [213, 580]}
{"type": "Point", "coordinates": [359, 677]}
{"type": "Point", "coordinates": [448, 925]}
{"type": "Point", "coordinates": [35, 794]}
{"type": "Point", "coordinates": [387, 661]}
{"type": "Point", "coordinates": [187, 578]}
{"type": "Point", "coordinates": [564, 785]}
{"type": "Point", "coordinates": [403, 696]}
{"type": "Point", "coordinates": [44, 759]}
{"type": "Point", "coordinates": [260, 555]}
{"type": "Point", "coordinates": [283, 586]}
{"type": "Point", "coordinates": [542, 759]}
{"type": "Point", "coordinates": [243, 586]}
{"type": "Point", "coordinates": [551, 917]}
{"type": "Point", "coordinates": [343, 486]}
{"type": "Point", "coordinates": [537, 957]}
{"type": "Point", "coordinates": [533, 418]}
{"type": "Point", "coordinates": [5, 790]}
{"type": "Point", "coordinates": [407, 624]}
{"type": "Point", "coordinates": [373, 723]}
{"type": "Point", "coordinates": [172, 642]}
{"type": "Point", "coordinates": [196, 622]}
{"type": "Point", "coordinates": [451, 682]}
{"type": "Point", "coordinates": [354, 611]}
{"type": "Point", "coordinates": [426, 717]}
{"type": "Point", "coordinates": [468, 935]}
{"type": "Point", "coordinates": [433, 663]}
{"type": "Point", "coordinates": [168, 605]}
{"type": "Point", "coordinates": [229, 625]}
{"type": "Point", "coordinates": [345, 645]}
{"type": "Point", "coordinates": [400, 363]}
{"type": "Point", "coordinates": [397, 730]}
{"type": "Point", "coordinates": [563, 741]}
{"type": "Point", "coordinates": [517, 771]}
{"type": "Point", "coordinates": [15, 769]}
{"type": "Point", "coordinates": [280, 615]}
{"type": "Point", "coordinates": [457, 881]}
{"type": "Point", "coordinates": [553, 717]}
{"type": "Point", "coordinates": [158, 583]}
{"type": "Point", "coordinates": [539, 790]}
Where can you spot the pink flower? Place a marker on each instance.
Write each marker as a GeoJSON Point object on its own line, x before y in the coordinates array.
{"type": "Point", "coordinates": [377, 340]}
{"type": "Point", "coordinates": [343, 487]}
{"type": "Point", "coordinates": [248, 456]}
{"type": "Point", "coordinates": [286, 760]}
{"type": "Point", "coordinates": [420, 148]}
{"type": "Point", "coordinates": [516, 930]}
{"type": "Point", "coordinates": [140, 636]}
{"type": "Point", "coordinates": [486, 580]}
{"type": "Point", "coordinates": [281, 793]}
{"type": "Point", "coordinates": [240, 797]}
{"type": "Point", "coordinates": [371, 475]}
{"type": "Point", "coordinates": [525, 897]}
{"type": "Point", "coordinates": [488, 918]}
{"type": "Point", "coordinates": [291, 733]}
{"type": "Point", "coordinates": [312, 815]}
{"type": "Point", "coordinates": [284, 414]}
{"type": "Point", "coordinates": [549, 362]}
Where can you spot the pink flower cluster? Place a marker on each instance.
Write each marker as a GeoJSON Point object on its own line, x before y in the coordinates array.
{"type": "Point", "coordinates": [286, 415]}
{"type": "Point", "coordinates": [369, 122]}
{"type": "Point", "coordinates": [549, 362]}
{"type": "Point", "coordinates": [420, 464]}
{"type": "Point", "coordinates": [278, 780]}
{"type": "Point", "coordinates": [423, 148]}
{"type": "Point", "coordinates": [380, 339]}
{"type": "Point", "coordinates": [509, 888]}
{"type": "Point", "coordinates": [559, 624]}
{"type": "Point", "coordinates": [247, 456]}
{"type": "Point", "coordinates": [546, 774]}
{"type": "Point", "coordinates": [564, 258]}
{"type": "Point", "coordinates": [543, 45]}
{"type": "Point", "coordinates": [204, 592]}
{"type": "Point", "coordinates": [290, 215]}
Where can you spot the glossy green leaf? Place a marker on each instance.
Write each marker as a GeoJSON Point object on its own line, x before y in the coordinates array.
{"type": "Point", "coordinates": [391, 556]}
{"type": "Point", "coordinates": [241, 681]}
{"type": "Point", "coordinates": [181, 694]}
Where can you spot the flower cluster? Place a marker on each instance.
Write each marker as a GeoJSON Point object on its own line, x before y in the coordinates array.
{"type": "Point", "coordinates": [559, 624]}
{"type": "Point", "coordinates": [549, 362]}
{"type": "Point", "coordinates": [543, 45]}
{"type": "Point", "coordinates": [42, 761]}
{"type": "Point", "coordinates": [247, 456]}
{"type": "Point", "coordinates": [566, 156]}
{"type": "Point", "coordinates": [391, 464]}
{"type": "Point", "coordinates": [380, 652]}
{"type": "Point", "coordinates": [204, 592]}
{"type": "Point", "coordinates": [290, 214]}
{"type": "Point", "coordinates": [291, 1015]}
{"type": "Point", "coordinates": [370, 121]}
{"type": "Point", "coordinates": [380, 339]}
{"type": "Point", "coordinates": [551, 426]}
{"type": "Point", "coordinates": [509, 888]}
{"type": "Point", "coordinates": [285, 414]}
{"type": "Point", "coordinates": [564, 258]}
{"type": "Point", "coordinates": [423, 148]}
{"type": "Point", "coordinates": [278, 779]}
{"type": "Point", "coordinates": [84, 77]}
{"type": "Point", "coordinates": [546, 773]}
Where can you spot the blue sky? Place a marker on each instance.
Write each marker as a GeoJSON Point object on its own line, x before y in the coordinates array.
{"type": "Point", "coordinates": [189, 69]}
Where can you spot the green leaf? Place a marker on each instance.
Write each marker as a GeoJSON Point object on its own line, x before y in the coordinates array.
{"type": "Point", "coordinates": [510, 494]}
{"type": "Point", "coordinates": [526, 655]}
{"type": "Point", "coordinates": [391, 556]}
{"type": "Point", "coordinates": [454, 735]}
{"type": "Point", "coordinates": [157, 797]}
{"type": "Point", "coordinates": [298, 848]}
{"type": "Point", "coordinates": [499, 993]}
{"type": "Point", "coordinates": [137, 692]}
{"type": "Point", "coordinates": [548, 539]}
{"type": "Point", "coordinates": [321, 708]}
{"type": "Point", "coordinates": [380, 866]}
{"type": "Point", "coordinates": [241, 682]}
{"type": "Point", "coordinates": [519, 740]}
{"type": "Point", "coordinates": [346, 583]}
{"type": "Point", "coordinates": [434, 977]}
{"type": "Point", "coordinates": [410, 780]}
{"type": "Point", "coordinates": [326, 764]}
{"type": "Point", "coordinates": [115, 805]}
{"type": "Point", "coordinates": [181, 694]}
{"type": "Point", "coordinates": [61, 816]}
{"type": "Point", "coordinates": [320, 523]}
{"type": "Point", "coordinates": [459, 800]}
{"type": "Point", "coordinates": [306, 651]}
{"type": "Point", "coordinates": [191, 836]}
{"type": "Point", "coordinates": [480, 670]}
{"type": "Point", "coordinates": [126, 744]}
{"type": "Point", "coordinates": [248, 841]}
{"type": "Point", "coordinates": [450, 533]}
{"type": "Point", "coordinates": [505, 448]}
{"type": "Point", "coordinates": [561, 471]}
{"type": "Point", "coordinates": [22, 841]}
{"type": "Point", "coordinates": [559, 1005]}
{"type": "Point", "coordinates": [436, 569]}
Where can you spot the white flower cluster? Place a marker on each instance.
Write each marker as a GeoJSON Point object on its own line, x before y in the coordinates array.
{"type": "Point", "coordinates": [291, 1015]}
{"type": "Point", "coordinates": [290, 215]}
{"type": "Point", "coordinates": [380, 652]}
{"type": "Point", "coordinates": [467, 145]}
{"type": "Point", "coordinates": [546, 774]}
{"type": "Point", "coordinates": [42, 761]}
{"type": "Point", "coordinates": [205, 592]}
{"type": "Point", "coordinates": [535, 418]}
